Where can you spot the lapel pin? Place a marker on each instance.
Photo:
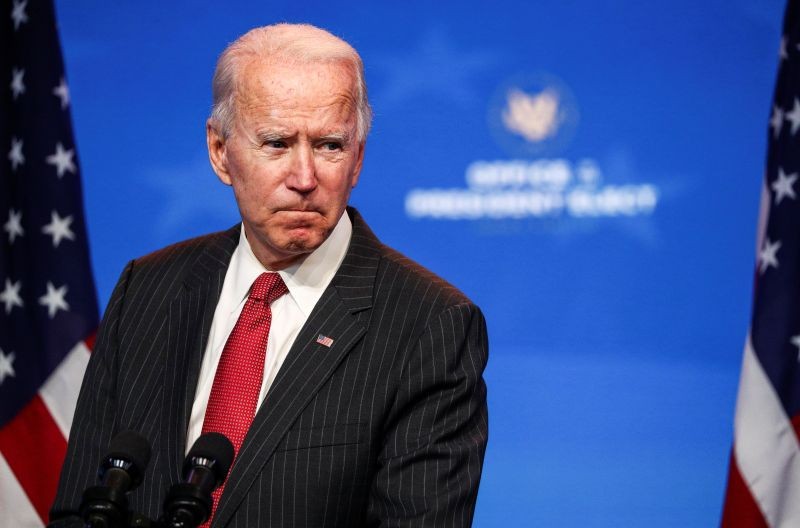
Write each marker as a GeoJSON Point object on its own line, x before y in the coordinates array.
{"type": "Point", "coordinates": [324, 340]}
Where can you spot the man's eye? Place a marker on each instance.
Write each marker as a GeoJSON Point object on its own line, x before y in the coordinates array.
{"type": "Point", "coordinates": [275, 144]}
{"type": "Point", "coordinates": [332, 145]}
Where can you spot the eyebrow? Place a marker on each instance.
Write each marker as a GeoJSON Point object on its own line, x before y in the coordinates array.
{"type": "Point", "coordinates": [277, 135]}
{"type": "Point", "coordinates": [272, 135]}
{"type": "Point", "coordinates": [342, 137]}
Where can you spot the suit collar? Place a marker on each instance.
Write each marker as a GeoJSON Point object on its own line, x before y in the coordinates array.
{"type": "Point", "coordinates": [342, 314]}
{"type": "Point", "coordinates": [189, 322]}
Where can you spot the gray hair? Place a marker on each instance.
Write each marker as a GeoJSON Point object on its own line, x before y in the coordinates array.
{"type": "Point", "coordinates": [294, 42]}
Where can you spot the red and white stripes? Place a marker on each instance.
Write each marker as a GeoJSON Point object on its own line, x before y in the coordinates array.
{"type": "Point", "coordinates": [34, 443]}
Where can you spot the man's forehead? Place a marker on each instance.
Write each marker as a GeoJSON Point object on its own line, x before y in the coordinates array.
{"type": "Point", "coordinates": [286, 70]}
{"type": "Point", "coordinates": [308, 86]}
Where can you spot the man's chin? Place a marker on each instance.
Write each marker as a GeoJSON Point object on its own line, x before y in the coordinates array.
{"type": "Point", "coordinates": [302, 240]}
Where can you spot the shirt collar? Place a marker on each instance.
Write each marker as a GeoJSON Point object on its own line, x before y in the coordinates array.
{"type": "Point", "coordinates": [306, 279]}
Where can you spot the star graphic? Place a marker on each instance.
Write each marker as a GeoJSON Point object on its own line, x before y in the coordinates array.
{"type": "Point", "coordinates": [54, 299]}
{"type": "Point", "coordinates": [782, 51]}
{"type": "Point", "coordinates": [62, 159]}
{"type": "Point", "coordinates": [62, 92]}
{"type": "Point", "coordinates": [18, 14]}
{"type": "Point", "coordinates": [58, 228]}
{"type": "Point", "coordinates": [6, 365]}
{"type": "Point", "coordinates": [17, 85]}
{"type": "Point", "coordinates": [435, 66]}
{"type": "Point", "coordinates": [768, 256]}
{"type": "Point", "coordinates": [794, 116]}
{"type": "Point", "coordinates": [776, 121]}
{"type": "Point", "coordinates": [10, 296]}
{"type": "Point", "coordinates": [14, 225]}
{"type": "Point", "coordinates": [15, 154]}
{"type": "Point", "coordinates": [783, 186]}
{"type": "Point", "coordinates": [795, 340]}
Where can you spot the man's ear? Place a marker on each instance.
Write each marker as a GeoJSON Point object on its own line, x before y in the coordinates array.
{"type": "Point", "coordinates": [217, 153]}
{"type": "Point", "coordinates": [359, 163]}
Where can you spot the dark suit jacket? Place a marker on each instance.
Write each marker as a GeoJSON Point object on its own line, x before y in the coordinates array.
{"type": "Point", "coordinates": [386, 427]}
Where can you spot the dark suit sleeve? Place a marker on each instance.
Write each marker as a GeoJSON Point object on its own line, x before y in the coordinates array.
{"type": "Point", "coordinates": [430, 464]}
{"type": "Point", "coordinates": [93, 424]}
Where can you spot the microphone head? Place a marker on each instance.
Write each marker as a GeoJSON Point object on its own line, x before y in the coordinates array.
{"type": "Point", "coordinates": [129, 451]}
{"type": "Point", "coordinates": [212, 450]}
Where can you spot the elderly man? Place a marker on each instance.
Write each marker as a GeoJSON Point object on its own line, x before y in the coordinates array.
{"type": "Point", "coordinates": [348, 378]}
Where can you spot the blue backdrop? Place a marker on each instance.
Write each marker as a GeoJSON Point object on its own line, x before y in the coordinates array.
{"type": "Point", "coordinates": [588, 172]}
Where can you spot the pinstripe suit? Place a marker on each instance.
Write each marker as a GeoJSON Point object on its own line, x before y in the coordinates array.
{"type": "Point", "coordinates": [386, 427]}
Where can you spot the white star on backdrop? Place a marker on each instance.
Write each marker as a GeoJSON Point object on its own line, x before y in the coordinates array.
{"type": "Point", "coordinates": [782, 53]}
{"type": "Point", "coordinates": [796, 342]}
{"type": "Point", "coordinates": [18, 14]}
{"type": "Point", "coordinates": [434, 65]}
{"type": "Point", "coordinates": [6, 365]}
{"type": "Point", "coordinates": [54, 299]}
{"type": "Point", "coordinates": [58, 228]}
{"type": "Point", "coordinates": [17, 84]}
{"type": "Point", "coordinates": [794, 116]}
{"type": "Point", "coordinates": [768, 256]}
{"type": "Point", "coordinates": [62, 159]}
{"type": "Point", "coordinates": [14, 225]}
{"type": "Point", "coordinates": [783, 186]}
{"type": "Point", "coordinates": [10, 296]}
{"type": "Point", "coordinates": [15, 154]}
{"type": "Point", "coordinates": [62, 92]}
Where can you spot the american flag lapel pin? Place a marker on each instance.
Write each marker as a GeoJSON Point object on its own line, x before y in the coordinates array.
{"type": "Point", "coordinates": [324, 340]}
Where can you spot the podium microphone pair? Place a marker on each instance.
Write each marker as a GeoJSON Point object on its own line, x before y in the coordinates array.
{"type": "Point", "coordinates": [188, 503]}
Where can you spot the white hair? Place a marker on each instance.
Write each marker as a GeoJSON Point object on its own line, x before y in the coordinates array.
{"type": "Point", "coordinates": [302, 43]}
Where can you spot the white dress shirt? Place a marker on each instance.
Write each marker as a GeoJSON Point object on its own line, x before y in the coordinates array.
{"type": "Point", "coordinates": [305, 280]}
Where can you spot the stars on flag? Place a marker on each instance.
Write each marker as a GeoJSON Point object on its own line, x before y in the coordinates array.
{"type": "Point", "coordinates": [15, 155]}
{"type": "Point", "coordinates": [776, 121]}
{"type": "Point", "coordinates": [786, 111]}
{"type": "Point", "coordinates": [62, 92]}
{"type": "Point", "coordinates": [768, 256]}
{"type": "Point", "coordinates": [14, 225]}
{"type": "Point", "coordinates": [54, 299]}
{"type": "Point", "coordinates": [6, 365]}
{"type": "Point", "coordinates": [10, 295]}
{"type": "Point", "coordinates": [17, 82]}
{"type": "Point", "coordinates": [794, 116]}
{"type": "Point", "coordinates": [62, 160]}
{"type": "Point", "coordinates": [784, 186]}
{"type": "Point", "coordinates": [58, 228]}
{"type": "Point", "coordinates": [18, 14]}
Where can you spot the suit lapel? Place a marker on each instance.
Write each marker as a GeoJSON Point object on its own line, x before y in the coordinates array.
{"type": "Point", "coordinates": [190, 316]}
{"type": "Point", "coordinates": [341, 314]}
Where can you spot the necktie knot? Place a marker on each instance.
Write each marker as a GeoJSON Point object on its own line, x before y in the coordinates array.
{"type": "Point", "coordinates": [268, 287]}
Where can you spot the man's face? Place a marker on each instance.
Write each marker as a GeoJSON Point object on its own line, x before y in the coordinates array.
{"type": "Point", "coordinates": [292, 155]}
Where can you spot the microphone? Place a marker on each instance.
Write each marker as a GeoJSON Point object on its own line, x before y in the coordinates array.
{"type": "Point", "coordinates": [188, 504]}
{"type": "Point", "coordinates": [121, 470]}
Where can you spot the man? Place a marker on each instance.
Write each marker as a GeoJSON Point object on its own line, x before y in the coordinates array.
{"type": "Point", "coordinates": [350, 384]}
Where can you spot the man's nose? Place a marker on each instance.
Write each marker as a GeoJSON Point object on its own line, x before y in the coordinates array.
{"type": "Point", "coordinates": [302, 177]}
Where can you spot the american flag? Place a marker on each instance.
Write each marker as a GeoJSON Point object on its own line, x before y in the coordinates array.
{"type": "Point", "coordinates": [324, 340]}
{"type": "Point", "coordinates": [48, 305]}
{"type": "Point", "coordinates": [764, 477]}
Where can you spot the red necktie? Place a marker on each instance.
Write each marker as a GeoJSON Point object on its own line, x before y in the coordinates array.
{"type": "Point", "coordinates": [237, 383]}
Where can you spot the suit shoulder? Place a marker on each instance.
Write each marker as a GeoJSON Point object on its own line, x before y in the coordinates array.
{"type": "Point", "coordinates": [163, 270]}
{"type": "Point", "coordinates": [408, 281]}
{"type": "Point", "coordinates": [186, 251]}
